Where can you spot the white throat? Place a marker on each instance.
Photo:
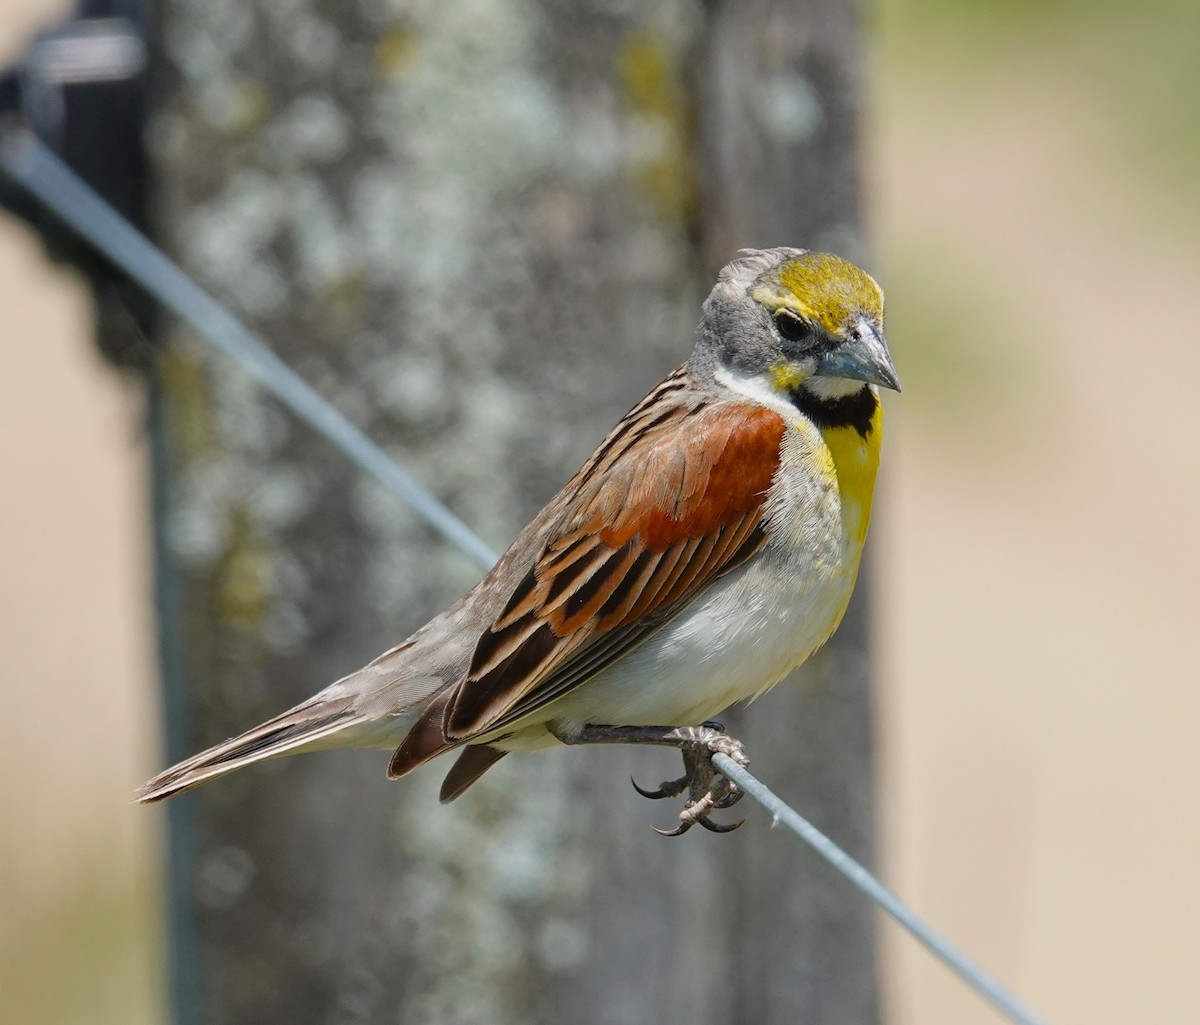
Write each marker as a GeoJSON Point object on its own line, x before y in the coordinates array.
{"type": "Point", "coordinates": [832, 387]}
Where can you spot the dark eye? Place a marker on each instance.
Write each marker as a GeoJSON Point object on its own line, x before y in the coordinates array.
{"type": "Point", "coordinates": [793, 327]}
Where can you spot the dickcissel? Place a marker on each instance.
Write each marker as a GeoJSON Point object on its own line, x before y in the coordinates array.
{"type": "Point", "coordinates": [706, 549]}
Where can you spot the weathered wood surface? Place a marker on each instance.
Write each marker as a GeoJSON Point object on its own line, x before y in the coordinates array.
{"type": "Point", "coordinates": [483, 229]}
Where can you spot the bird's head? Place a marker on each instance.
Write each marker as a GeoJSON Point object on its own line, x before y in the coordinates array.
{"type": "Point", "coordinates": [793, 320]}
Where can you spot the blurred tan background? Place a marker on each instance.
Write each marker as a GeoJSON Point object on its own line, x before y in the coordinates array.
{"type": "Point", "coordinates": [79, 904]}
{"type": "Point", "coordinates": [1031, 172]}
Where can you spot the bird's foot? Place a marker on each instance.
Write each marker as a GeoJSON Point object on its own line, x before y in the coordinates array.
{"type": "Point", "coordinates": [707, 789]}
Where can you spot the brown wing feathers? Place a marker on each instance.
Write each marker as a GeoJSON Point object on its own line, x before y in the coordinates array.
{"type": "Point", "coordinates": [639, 531]}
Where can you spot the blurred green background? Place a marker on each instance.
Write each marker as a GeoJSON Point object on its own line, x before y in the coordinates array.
{"type": "Point", "coordinates": [1030, 175]}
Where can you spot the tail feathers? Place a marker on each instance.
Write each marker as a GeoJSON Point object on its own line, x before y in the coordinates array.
{"type": "Point", "coordinates": [474, 761]}
{"type": "Point", "coordinates": [303, 726]}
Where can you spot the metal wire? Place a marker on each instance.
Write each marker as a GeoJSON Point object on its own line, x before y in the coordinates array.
{"type": "Point", "coordinates": [36, 167]}
{"type": "Point", "coordinates": [958, 962]}
{"type": "Point", "coordinates": [39, 170]}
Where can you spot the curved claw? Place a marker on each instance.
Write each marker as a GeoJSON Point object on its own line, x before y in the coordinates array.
{"type": "Point", "coordinates": [717, 827]}
{"type": "Point", "coordinates": [653, 795]}
{"type": "Point", "coordinates": [672, 788]}
{"type": "Point", "coordinates": [679, 830]}
{"type": "Point", "coordinates": [730, 799]}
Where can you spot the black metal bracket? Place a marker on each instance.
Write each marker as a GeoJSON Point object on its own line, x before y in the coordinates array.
{"type": "Point", "coordinates": [82, 87]}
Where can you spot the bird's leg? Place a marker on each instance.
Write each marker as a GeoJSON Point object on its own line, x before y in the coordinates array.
{"type": "Point", "coordinates": [707, 789]}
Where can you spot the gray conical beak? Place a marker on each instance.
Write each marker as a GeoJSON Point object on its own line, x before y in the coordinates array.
{"type": "Point", "coordinates": [863, 358]}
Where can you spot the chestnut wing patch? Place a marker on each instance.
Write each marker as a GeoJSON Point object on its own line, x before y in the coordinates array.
{"type": "Point", "coordinates": [660, 510]}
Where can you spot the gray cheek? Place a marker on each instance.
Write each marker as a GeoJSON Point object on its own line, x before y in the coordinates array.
{"type": "Point", "coordinates": [742, 332]}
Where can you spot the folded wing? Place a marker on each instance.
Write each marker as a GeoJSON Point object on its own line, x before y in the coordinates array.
{"type": "Point", "coordinates": [673, 498]}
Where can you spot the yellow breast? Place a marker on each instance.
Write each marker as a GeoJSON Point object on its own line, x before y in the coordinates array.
{"type": "Point", "coordinates": [855, 462]}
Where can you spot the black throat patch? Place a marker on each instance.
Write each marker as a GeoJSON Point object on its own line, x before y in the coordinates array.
{"type": "Point", "coordinates": [856, 410]}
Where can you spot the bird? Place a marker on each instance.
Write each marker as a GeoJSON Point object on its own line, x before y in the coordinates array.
{"type": "Point", "coordinates": [708, 547]}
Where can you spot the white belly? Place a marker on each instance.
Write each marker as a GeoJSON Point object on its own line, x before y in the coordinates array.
{"type": "Point", "coordinates": [743, 635]}
{"type": "Point", "coordinates": [748, 629]}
